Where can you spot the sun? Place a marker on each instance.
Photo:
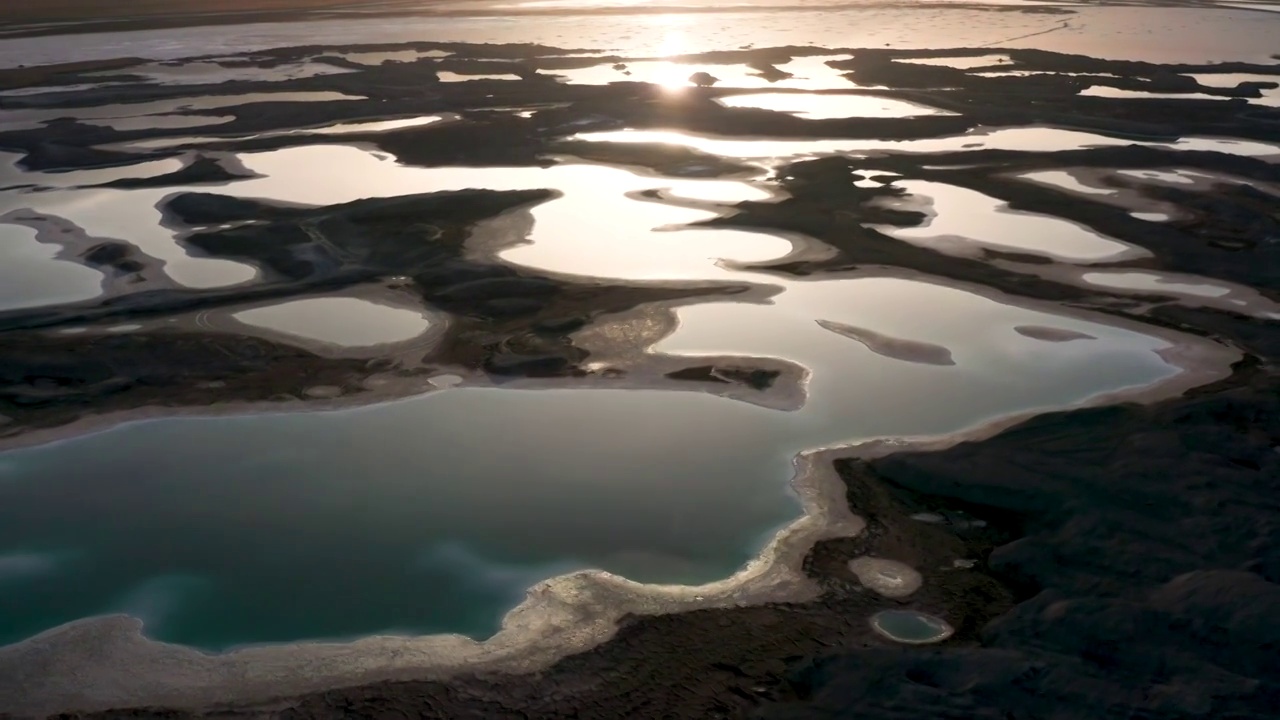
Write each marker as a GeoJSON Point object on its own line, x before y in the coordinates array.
{"type": "Point", "coordinates": [674, 42]}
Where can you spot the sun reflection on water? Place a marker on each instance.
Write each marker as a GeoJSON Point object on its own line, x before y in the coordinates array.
{"type": "Point", "coordinates": [675, 42]}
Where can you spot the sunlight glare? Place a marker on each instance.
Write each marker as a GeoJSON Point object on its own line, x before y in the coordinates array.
{"type": "Point", "coordinates": [675, 42]}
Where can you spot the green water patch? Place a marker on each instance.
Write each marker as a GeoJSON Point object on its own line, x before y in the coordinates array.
{"type": "Point", "coordinates": [911, 627]}
{"type": "Point", "coordinates": [429, 515]}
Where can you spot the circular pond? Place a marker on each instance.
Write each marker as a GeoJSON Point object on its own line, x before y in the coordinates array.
{"type": "Point", "coordinates": [909, 626]}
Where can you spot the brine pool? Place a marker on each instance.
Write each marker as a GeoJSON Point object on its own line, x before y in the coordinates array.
{"type": "Point", "coordinates": [436, 513]}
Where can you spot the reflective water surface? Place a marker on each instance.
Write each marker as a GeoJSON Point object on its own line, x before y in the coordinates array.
{"type": "Point", "coordinates": [802, 73]}
{"type": "Point", "coordinates": [436, 512]}
{"type": "Point", "coordinates": [965, 217]}
{"type": "Point", "coordinates": [823, 107]}
{"type": "Point", "coordinates": [960, 62]}
{"type": "Point", "coordinates": [34, 117]}
{"type": "Point", "coordinates": [339, 321]}
{"type": "Point", "coordinates": [1020, 139]}
{"type": "Point", "coordinates": [31, 275]}
{"type": "Point", "coordinates": [911, 627]}
{"type": "Point", "coordinates": [1155, 283]}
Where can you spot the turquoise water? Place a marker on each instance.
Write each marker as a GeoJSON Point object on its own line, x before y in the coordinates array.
{"type": "Point", "coordinates": [436, 513]}
{"type": "Point", "coordinates": [433, 514]}
{"type": "Point", "coordinates": [909, 626]}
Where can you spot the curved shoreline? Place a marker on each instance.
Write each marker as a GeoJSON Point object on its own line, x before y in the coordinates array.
{"type": "Point", "coordinates": [559, 616]}
{"type": "Point", "coordinates": [571, 613]}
